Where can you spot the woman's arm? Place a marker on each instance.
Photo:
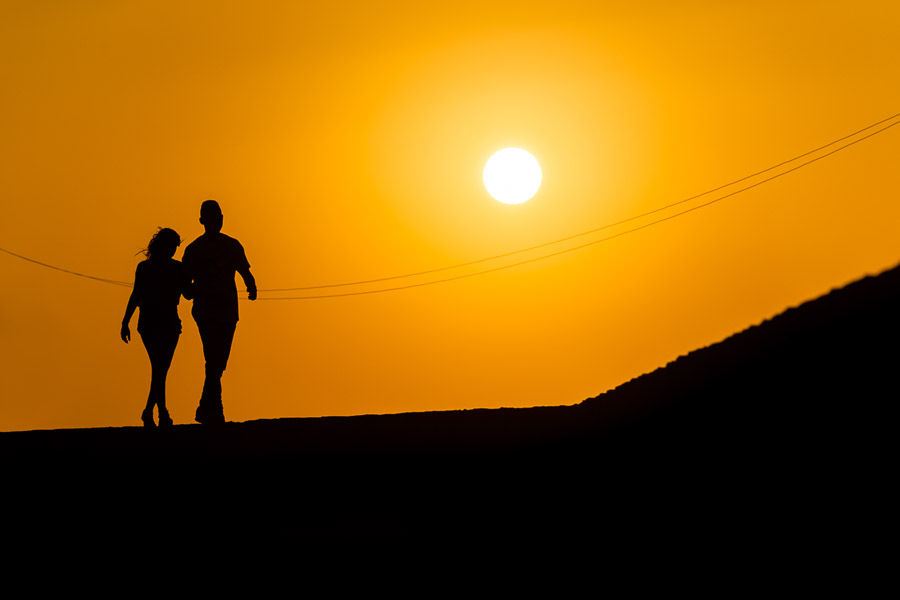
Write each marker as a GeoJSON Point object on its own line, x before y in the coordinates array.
{"type": "Point", "coordinates": [187, 274]}
{"type": "Point", "coordinates": [133, 302]}
{"type": "Point", "coordinates": [187, 284]}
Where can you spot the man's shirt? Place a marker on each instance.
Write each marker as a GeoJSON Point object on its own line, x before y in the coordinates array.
{"type": "Point", "coordinates": [211, 262]}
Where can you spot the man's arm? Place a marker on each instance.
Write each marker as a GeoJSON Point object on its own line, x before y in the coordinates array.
{"type": "Point", "coordinates": [249, 281]}
{"type": "Point", "coordinates": [243, 267]}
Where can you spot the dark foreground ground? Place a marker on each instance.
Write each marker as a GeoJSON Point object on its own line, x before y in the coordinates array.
{"type": "Point", "coordinates": [776, 444]}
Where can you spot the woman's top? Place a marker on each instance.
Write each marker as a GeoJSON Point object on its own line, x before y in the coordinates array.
{"type": "Point", "coordinates": [158, 285]}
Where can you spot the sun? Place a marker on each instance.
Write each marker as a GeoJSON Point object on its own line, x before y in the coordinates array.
{"type": "Point", "coordinates": [512, 176]}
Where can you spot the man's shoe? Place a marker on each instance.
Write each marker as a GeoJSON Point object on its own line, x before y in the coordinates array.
{"type": "Point", "coordinates": [209, 418]}
{"type": "Point", "coordinates": [164, 419]}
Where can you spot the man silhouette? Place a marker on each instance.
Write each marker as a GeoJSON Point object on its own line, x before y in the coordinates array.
{"type": "Point", "coordinates": [210, 263]}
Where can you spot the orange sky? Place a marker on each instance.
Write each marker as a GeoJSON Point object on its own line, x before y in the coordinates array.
{"type": "Point", "coordinates": [346, 142]}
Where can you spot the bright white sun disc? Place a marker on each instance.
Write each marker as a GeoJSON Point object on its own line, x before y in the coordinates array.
{"type": "Point", "coordinates": [512, 176]}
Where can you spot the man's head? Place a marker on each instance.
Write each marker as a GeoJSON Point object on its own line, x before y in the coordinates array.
{"type": "Point", "coordinates": [211, 216]}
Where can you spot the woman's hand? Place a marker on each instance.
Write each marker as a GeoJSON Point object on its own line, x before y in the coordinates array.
{"type": "Point", "coordinates": [126, 333]}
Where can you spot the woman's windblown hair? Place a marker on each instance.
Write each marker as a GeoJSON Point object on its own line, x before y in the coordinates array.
{"type": "Point", "coordinates": [163, 243]}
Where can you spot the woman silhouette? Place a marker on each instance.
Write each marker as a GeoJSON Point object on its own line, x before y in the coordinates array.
{"type": "Point", "coordinates": [158, 284]}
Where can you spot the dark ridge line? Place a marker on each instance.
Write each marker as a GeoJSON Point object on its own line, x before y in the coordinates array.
{"type": "Point", "coordinates": [787, 313]}
{"type": "Point", "coordinates": [553, 419]}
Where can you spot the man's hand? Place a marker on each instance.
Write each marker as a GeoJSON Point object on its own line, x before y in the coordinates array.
{"type": "Point", "coordinates": [251, 294]}
{"type": "Point", "coordinates": [126, 333]}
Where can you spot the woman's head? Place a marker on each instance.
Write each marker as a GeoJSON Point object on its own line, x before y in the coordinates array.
{"type": "Point", "coordinates": [163, 244]}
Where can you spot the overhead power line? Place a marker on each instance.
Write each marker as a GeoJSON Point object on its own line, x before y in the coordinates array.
{"type": "Point", "coordinates": [546, 244]}
{"type": "Point", "coordinates": [583, 233]}
{"type": "Point", "coordinates": [611, 237]}
{"type": "Point", "coordinates": [43, 264]}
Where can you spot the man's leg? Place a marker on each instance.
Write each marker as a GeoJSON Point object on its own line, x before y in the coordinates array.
{"type": "Point", "coordinates": [217, 337]}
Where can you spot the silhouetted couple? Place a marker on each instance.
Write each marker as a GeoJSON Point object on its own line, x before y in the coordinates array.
{"type": "Point", "coordinates": [204, 275]}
